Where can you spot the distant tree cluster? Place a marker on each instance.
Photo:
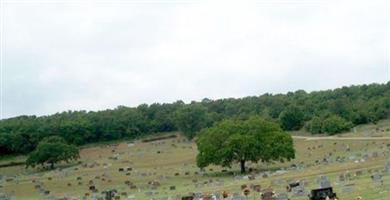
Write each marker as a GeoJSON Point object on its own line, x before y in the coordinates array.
{"type": "Point", "coordinates": [331, 125]}
{"type": "Point", "coordinates": [330, 111]}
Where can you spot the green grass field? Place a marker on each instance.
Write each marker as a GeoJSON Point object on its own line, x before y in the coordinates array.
{"type": "Point", "coordinates": [171, 163]}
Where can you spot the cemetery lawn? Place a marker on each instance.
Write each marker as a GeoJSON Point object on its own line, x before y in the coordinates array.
{"type": "Point", "coordinates": [171, 164]}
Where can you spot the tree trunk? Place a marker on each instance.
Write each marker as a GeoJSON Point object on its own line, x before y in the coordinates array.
{"type": "Point", "coordinates": [242, 162]}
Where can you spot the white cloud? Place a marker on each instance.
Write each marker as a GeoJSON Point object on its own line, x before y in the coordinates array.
{"type": "Point", "coordinates": [100, 54]}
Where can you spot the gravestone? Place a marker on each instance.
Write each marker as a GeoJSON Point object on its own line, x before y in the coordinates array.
{"type": "Point", "coordinates": [282, 196]}
{"type": "Point", "coordinates": [216, 196]}
{"type": "Point", "coordinates": [265, 175]}
{"type": "Point", "coordinates": [187, 198]}
{"type": "Point", "coordinates": [4, 196]}
{"type": "Point", "coordinates": [148, 193]}
{"type": "Point", "coordinates": [110, 194]}
{"type": "Point", "coordinates": [387, 167]}
{"type": "Point", "coordinates": [341, 178]}
{"type": "Point", "coordinates": [238, 197]}
{"type": "Point", "coordinates": [323, 182]}
{"type": "Point", "coordinates": [298, 190]}
{"type": "Point", "coordinates": [377, 178]}
{"type": "Point", "coordinates": [322, 194]}
{"type": "Point", "coordinates": [348, 175]}
{"type": "Point", "coordinates": [347, 189]}
{"type": "Point", "coordinates": [359, 173]}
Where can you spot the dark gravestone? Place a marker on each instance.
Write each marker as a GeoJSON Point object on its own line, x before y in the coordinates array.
{"type": "Point", "coordinates": [292, 185]}
{"type": "Point", "coordinates": [110, 194]}
{"type": "Point", "coordinates": [92, 187]}
{"type": "Point", "coordinates": [187, 198]}
{"type": "Point", "coordinates": [322, 194]}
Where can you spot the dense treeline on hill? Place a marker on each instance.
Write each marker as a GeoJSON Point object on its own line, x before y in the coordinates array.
{"type": "Point", "coordinates": [330, 111]}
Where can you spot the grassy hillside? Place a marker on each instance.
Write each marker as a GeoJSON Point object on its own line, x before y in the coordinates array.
{"type": "Point", "coordinates": [330, 112]}
{"type": "Point", "coordinates": [171, 162]}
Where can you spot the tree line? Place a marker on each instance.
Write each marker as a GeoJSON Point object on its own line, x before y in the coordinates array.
{"type": "Point", "coordinates": [329, 111]}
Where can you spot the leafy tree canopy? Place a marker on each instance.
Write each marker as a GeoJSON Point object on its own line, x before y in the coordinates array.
{"type": "Point", "coordinates": [253, 140]}
{"type": "Point", "coordinates": [315, 126]}
{"type": "Point", "coordinates": [292, 118]}
{"type": "Point", "coordinates": [191, 118]}
{"type": "Point", "coordinates": [51, 151]}
{"type": "Point", "coordinates": [335, 124]}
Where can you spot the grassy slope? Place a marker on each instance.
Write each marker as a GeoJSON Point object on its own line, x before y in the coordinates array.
{"type": "Point", "coordinates": [178, 156]}
{"type": "Point", "coordinates": [382, 128]}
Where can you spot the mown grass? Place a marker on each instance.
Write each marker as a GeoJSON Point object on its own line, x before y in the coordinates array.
{"type": "Point", "coordinates": [164, 158]}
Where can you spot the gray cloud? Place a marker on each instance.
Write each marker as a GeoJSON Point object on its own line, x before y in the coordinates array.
{"type": "Point", "coordinates": [95, 55]}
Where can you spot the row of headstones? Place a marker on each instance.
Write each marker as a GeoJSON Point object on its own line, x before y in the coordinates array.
{"type": "Point", "coordinates": [341, 159]}
{"type": "Point", "coordinates": [4, 196]}
{"type": "Point", "coordinates": [266, 194]}
{"type": "Point", "coordinates": [40, 188]}
{"type": "Point", "coordinates": [322, 181]}
{"type": "Point", "coordinates": [374, 177]}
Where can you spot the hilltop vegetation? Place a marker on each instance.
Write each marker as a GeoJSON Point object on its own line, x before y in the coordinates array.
{"type": "Point", "coordinates": [330, 111]}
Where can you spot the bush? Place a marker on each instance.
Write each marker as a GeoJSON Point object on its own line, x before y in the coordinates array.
{"type": "Point", "coordinates": [335, 124]}
{"type": "Point", "coordinates": [315, 125]}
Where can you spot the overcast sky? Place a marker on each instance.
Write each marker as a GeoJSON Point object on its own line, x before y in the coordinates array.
{"type": "Point", "coordinates": [96, 54]}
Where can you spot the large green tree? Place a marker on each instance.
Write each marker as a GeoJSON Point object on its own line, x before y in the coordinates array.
{"type": "Point", "coordinates": [52, 150]}
{"type": "Point", "coordinates": [231, 141]}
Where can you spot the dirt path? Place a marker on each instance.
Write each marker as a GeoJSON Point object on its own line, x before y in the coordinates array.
{"type": "Point", "coordinates": [340, 138]}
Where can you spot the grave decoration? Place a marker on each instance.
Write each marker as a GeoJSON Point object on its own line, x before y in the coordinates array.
{"type": "Point", "coordinates": [268, 194]}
